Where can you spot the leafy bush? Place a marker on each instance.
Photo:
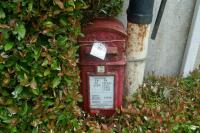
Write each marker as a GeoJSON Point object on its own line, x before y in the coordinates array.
{"type": "Point", "coordinates": [163, 104]}
{"type": "Point", "coordinates": [99, 8]}
{"type": "Point", "coordinates": [39, 77]}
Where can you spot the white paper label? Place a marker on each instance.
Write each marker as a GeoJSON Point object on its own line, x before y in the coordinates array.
{"type": "Point", "coordinates": [99, 50]}
{"type": "Point", "coordinates": [101, 92]}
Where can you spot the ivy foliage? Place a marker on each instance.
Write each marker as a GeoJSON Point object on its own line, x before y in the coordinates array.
{"type": "Point", "coordinates": [162, 105]}
{"type": "Point", "coordinates": [39, 77]}
{"type": "Point", "coordinates": [100, 8]}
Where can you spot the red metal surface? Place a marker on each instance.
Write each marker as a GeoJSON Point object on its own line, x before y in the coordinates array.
{"type": "Point", "coordinates": [112, 33]}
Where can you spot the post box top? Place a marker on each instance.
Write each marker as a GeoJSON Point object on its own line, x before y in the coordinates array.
{"type": "Point", "coordinates": [105, 24]}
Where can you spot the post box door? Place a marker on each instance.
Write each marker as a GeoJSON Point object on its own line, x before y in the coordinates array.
{"type": "Point", "coordinates": [102, 97]}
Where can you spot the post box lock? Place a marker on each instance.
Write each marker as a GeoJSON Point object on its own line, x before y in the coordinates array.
{"type": "Point", "coordinates": [102, 79]}
{"type": "Point", "coordinates": [100, 69]}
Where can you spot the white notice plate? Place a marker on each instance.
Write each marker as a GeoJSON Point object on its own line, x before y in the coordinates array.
{"type": "Point", "coordinates": [101, 92]}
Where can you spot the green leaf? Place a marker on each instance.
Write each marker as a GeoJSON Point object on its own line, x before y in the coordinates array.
{"type": "Point", "coordinates": [1, 67]}
{"type": "Point", "coordinates": [70, 3]}
{"type": "Point", "coordinates": [46, 72]}
{"type": "Point", "coordinates": [48, 103]}
{"type": "Point", "coordinates": [63, 21]}
{"type": "Point", "coordinates": [35, 130]}
{"type": "Point", "coordinates": [61, 118]}
{"type": "Point", "coordinates": [8, 46]}
{"type": "Point", "coordinates": [56, 82]}
{"type": "Point", "coordinates": [36, 53]}
{"type": "Point", "coordinates": [45, 63]}
{"type": "Point", "coordinates": [36, 91]}
{"type": "Point", "coordinates": [17, 91]}
{"type": "Point", "coordinates": [62, 40]}
{"type": "Point", "coordinates": [23, 79]}
{"type": "Point", "coordinates": [13, 129]}
{"type": "Point", "coordinates": [20, 30]}
{"type": "Point", "coordinates": [5, 34]}
{"type": "Point", "coordinates": [55, 65]}
{"type": "Point", "coordinates": [24, 109]}
{"type": "Point", "coordinates": [48, 24]}
{"type": "Point", "coordinates": [10, 101]}
{"type": "Point", "coordinates": [17, 67]}
{"type": "Point", "coordinates": [30, 6]}
{"type": "Point", "coordinates": [2, 14]}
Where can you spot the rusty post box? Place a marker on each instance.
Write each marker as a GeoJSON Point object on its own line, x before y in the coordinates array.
{"type": "Point", "coordinates": [102, 80]}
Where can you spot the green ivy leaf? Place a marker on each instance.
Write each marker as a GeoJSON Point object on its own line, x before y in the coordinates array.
{"type": "Point", "coordinates": [2, 14]}
{"type": "Point", "coordinates": [56, 82]}
{"type": "Point", "coordinates": [8, 46]}
{"type": "Point", "coordinates": [17, 91]}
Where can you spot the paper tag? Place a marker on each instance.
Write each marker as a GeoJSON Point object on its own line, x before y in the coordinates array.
{"type": "Point", "coordinates": [99, 50]}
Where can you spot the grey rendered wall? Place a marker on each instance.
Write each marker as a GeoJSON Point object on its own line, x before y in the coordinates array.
{"type": "Point", "coordinates": [198, 60]}
{"type": "Point", "coordinates": [123, 16]}
{"type": "Point", "coordinates": [165, 54]}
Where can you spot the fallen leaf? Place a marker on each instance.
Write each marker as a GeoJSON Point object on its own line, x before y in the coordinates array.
{"type": "Point", "coordinates": [13, 110]}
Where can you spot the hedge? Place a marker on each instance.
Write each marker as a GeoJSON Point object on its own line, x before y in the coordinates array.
{"type": "Point", "coordinates": [39, 77]}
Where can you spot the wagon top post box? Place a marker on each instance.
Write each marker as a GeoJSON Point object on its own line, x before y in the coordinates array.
{"type": "Point", "coordinates": [102, 64]}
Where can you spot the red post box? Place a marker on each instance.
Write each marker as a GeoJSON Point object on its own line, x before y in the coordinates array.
{"type": "Point", "coordinates": [102, 79]}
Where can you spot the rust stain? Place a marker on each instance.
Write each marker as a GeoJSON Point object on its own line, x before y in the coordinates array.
{"type": "Point", "coordinates": [130, 32]}
{"type": "Point", "coordinates": [141, 35]}
{"type": "Point", "coordinates": [136, 34]}
{"type": "Point", "coordinates": [128, 84]}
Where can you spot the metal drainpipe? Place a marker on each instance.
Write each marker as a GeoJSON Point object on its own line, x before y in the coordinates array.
{"type": "Point", "coordinates": [140, 14]}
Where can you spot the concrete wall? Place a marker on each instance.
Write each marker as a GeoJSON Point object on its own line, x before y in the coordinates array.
{"type": "Point", "coordinates": [165, 54]}
{"type": "Point", "coordinates": [198, 60]}
{"type": "Point", "coordinates": [123, 16]}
